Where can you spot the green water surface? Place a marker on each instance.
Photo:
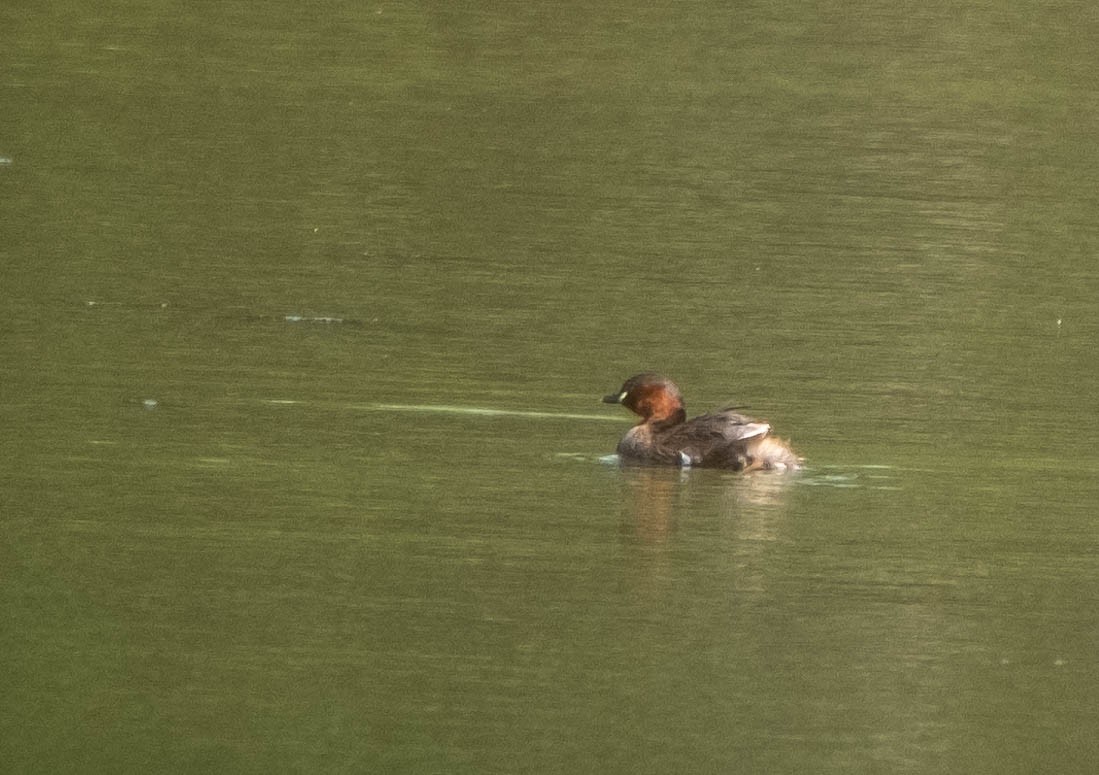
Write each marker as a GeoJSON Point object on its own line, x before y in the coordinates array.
{"type": "Point", "coordinates": [306, 311]}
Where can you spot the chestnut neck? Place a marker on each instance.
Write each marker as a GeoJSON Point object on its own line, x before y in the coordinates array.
{"type": "Point", "coordinates": [657, 406]}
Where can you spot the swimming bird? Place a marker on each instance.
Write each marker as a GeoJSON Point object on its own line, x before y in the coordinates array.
{"type": "Point", "coordinates": [719, 439]}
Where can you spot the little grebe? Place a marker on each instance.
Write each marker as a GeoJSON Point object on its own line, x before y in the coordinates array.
{"type": "Point", "coordinates": [721, 439]}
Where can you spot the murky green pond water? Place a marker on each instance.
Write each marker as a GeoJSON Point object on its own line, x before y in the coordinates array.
{"type": "Point", "coordinates": [306, 314]}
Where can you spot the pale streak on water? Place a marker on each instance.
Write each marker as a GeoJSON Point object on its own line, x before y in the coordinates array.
{"type": "Point", "coordinates": [459, 410]}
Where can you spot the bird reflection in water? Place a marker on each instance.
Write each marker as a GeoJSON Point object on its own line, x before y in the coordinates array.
{"type": "Point", "coordinates": [658, 498]}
